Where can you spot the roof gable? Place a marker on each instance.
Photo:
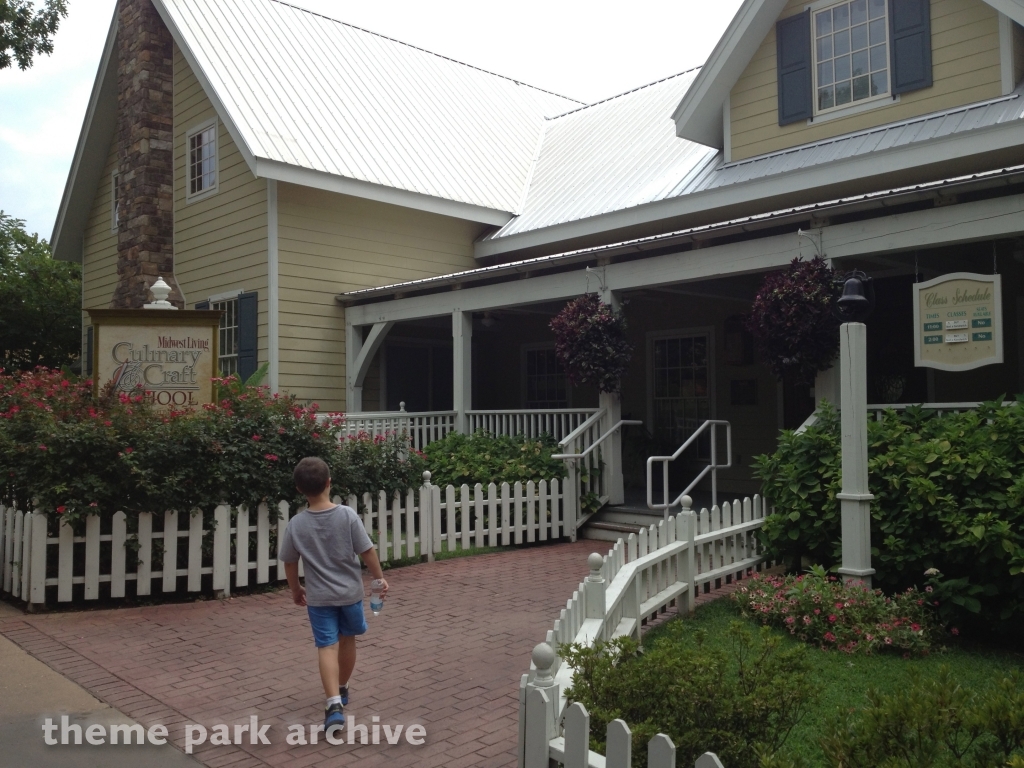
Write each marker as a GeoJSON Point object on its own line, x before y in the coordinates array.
{"type": "Point", "coordinates": [698, 116]}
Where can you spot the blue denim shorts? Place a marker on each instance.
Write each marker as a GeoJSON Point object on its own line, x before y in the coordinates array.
{"type": "Point", "coordinates": [330, 622]}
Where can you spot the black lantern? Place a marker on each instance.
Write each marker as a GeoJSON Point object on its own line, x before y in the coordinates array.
{"type": "Point", "coordinates": [858, 299]}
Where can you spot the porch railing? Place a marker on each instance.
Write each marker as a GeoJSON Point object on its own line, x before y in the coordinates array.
{"type": "Point", "coordinates": [422, 427]}
{"type": "Point", "coordinates": [533, 423]}
{"type": "Point", "coordinates": [640, 577]}
{"type": "Point", "coordinates": [876, 411]}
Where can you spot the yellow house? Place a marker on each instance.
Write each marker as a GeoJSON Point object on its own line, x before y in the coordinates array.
{"type": "Point", "coordinates": [389, 229]}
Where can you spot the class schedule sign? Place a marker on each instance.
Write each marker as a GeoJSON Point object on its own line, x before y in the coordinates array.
{"type": "Point", "coordinates": [959, 322]}
{"type": "Point", "coordinates": [171, 356]}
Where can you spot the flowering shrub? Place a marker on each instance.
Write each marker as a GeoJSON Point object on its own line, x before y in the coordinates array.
{"type": "Point", "coordinates": [794, 322]}
{"type": "Point", "coordinates": [486, 458]}
{"type": "Point", "coordinates": [949, 494]}
{"type": "Point", "coordinates": [824, 611]}
{"type": "Point", "coordinates": [78, 456]}
{"type": "Point", "coordinates": [591, 344]}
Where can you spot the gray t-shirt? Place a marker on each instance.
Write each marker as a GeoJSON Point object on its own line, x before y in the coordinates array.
{"type": "Point", "coordinates": [329, 543]}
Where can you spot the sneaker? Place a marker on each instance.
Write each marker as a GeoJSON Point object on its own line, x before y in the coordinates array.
{"type": "Point", "coordinates": [343, 692]}
{"type": "Point", "coordinates": [334, 715]}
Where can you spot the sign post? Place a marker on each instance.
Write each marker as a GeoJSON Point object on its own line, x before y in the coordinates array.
{"type": "Point", "coordinates": [169, 356]}
{"type": "Point", "coordinates": [959, 319]}
{"type": "Point", "coordinates": [856, 497]}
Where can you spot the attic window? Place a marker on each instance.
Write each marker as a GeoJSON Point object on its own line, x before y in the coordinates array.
{"type": "Point", "coordinates": [202, 159]}
{"type": "Point", "coordinates": [851, 53]}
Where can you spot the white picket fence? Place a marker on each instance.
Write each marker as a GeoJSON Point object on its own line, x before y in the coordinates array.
{"type": "Point", "coordinates": [236, 549]}
{"type": "Point", "coordinates": [639, 578]}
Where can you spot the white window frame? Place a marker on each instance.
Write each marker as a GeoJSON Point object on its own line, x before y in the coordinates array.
{"type": "Point", "coordinates": [192, 197]}
{"type": "Point", "coordinates": [676, 333]}
{"type": "Point", "coordinates": [853, 107]}
{"type": "Point", "coordinates": [524, 350]}
{"type": "Point", "coordinates": [113, 200]}
{"type": "Point", "coordinates": [221, 347]}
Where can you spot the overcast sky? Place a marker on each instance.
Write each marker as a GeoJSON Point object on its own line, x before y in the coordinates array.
{"type": "Point", "coordinates": [587, 51]}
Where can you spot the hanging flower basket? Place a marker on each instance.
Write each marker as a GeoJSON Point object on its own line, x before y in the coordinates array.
{"type": "Point", "coordinates": [591, 344]}
{"type": "Point", "coordinates": [794, 321]}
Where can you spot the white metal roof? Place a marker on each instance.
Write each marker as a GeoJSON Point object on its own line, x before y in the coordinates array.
{"type": "Point", "coordinates": [618, 153]}
{"type": "Point", "coordinates": [312, 92]}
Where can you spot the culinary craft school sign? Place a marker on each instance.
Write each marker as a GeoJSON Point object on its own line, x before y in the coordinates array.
{"type": "Point", "coordinates": [169, 355]}
{"type": "Point", "coordinates": [959, 322]}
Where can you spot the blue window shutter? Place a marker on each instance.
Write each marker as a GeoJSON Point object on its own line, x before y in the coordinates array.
{"type": "Point", "coordinates": [910, 33]}
{"type": "Point", "coordinates": [87, 367]}
{"type": "Point", "coordinates": [248, 339]}
{"type": "Point", "coordinates": [202, 305]}
{"type": "Point", "coordinates": [793, 52]}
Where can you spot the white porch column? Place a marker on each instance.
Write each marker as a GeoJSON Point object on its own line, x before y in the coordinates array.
{"type": "Point", "coordinates": [612, 403]}
{"type": "Point", "coordinates": [462, 367]}
{"type": "Point", "coordinates": [353, 346]}
{"type": "Point", "coordinates": [856, 497]}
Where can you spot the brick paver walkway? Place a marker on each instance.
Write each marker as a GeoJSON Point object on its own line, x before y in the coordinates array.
{"type": "Point", "coordinates": [447, 652]}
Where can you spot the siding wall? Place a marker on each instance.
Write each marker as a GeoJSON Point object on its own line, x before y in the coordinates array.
{"type": "Point", "coordinates": [99, 256]}
{"type": "Point", "coordinates": [331, 243]}
{"type": "Point", "coordinates": [220, 242]}
{"type": "Point", "coordinates": [1018, 52]}
{"type": "Point", "coordinates": [965, 66]}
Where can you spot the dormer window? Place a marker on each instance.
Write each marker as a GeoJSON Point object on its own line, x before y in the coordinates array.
{"type": "Point", "coordinates": [201, 160]}
{"type": "Point", "coordinates": [834, 57]}
{"type": "Point", "coordinates": [851, 53]}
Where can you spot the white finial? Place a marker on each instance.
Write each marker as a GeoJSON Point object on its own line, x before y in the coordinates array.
{"type": "Point", "coordinates": [543, 659]}
{"type": "Point", "coordinates": [687, 503]}
{"type": "Point", "coordinates": [426, 478]}
{"type": "Point", "coordinates": [161, 291]}
{"type": "Point", "coordinates": [401, 407]}
{"type": "Point", "coordinates": [595, 562]}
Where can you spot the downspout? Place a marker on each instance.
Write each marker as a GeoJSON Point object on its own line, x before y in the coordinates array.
{"type": "Point", "coordinates": [273, 290]}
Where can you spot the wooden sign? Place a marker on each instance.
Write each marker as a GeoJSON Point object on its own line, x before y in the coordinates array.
{"type": "Point", "coordinates": [959, 322]}
{"type": "Point", "coordinates": [170, 356]}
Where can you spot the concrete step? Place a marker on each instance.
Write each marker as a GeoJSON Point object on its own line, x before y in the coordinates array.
{"type": "Point", "coordinates": [607, 531]}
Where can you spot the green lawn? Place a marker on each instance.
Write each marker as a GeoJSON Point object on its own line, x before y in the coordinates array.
{"type": "Point", "coordinates": [843, 680]}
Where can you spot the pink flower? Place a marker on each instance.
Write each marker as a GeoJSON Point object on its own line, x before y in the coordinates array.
{"type": "Point", "coordinates": [129, 449]}
{"type": "Point", "coordinates": [61, 510]}
{"type": "Point", "coordinates": [790, 620]}
{"type": "Point", "coordinates": [808, 619]}
{"type": "Point", "coordinates": [257, 438]}
{"type": "Point", "coordinates": [817, 611]}
{"type": "Point", "coordinates": [915, 627]}
{"type": "Point", "coordinates": [888, 641]}
{"type": "Point", "coordinates": [93, 504]}
{"type": "Point", "coordinates": [43, 448]}
{"type": "Point", "coordinates": [955, 631]}
{"type": "Point", "coordinates": [832, 618]}
{"type": "Point", "coordinates": [927, 589]}
{"type": "Point", "coordinates": [830, 637]}
{"type": "Point", "coordinates": [270, 457]}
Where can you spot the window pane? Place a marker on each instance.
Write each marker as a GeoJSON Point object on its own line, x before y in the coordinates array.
{"type": "Point", "coordinates": [879, 83]}
{"type": "Point", "coordinates": [878, 58]}
{"type": "Point", "coordinates": [700, 351]}
{"type": "Point", "coordinates": [860, 63]}
{"type": "Point", "coordinates": [823, 22]}
{"type": "Point", "coordinates": [673, 383]}
{"type": "Point", "coordinates": [858, 11]}
{"type": "Point", "coordinates": [841, 17]}
{"type": "Point", "coordinates": [826, 98]}
{"type": "Point", "coordinates": [859, 37]}
{"type": "Point", "coordinates": [876, 8]}
{"type": "Point", "coordinates": [860, 88]}
{"type": "Point", "coordinates": [841, 42]}
{"type": "Point", "coordinates": [672, 353]}
{"type": "Point", "coordinates": [843, 93]}
{"type": "Point", "coordinates": [825, 73]}
{"type": "Point", "coordinates": [842, 68]}
{"type": "Point", "coordinates": [825, 48]}
{"type": "Point", "coordinates": [877, 31]}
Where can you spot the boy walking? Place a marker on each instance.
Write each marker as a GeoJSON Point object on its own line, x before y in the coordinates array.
{"type": "Point", "coordinates": [328, 537]}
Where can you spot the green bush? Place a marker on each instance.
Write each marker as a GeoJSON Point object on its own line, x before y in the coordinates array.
{"type": "Point", "coordinates": [822, 610]}
{"type": "Point", "coordinates": [80, 456]}
{"type": "Point", "coordinates": [949, 495]}
{"type": "Point", "coordinates": [737, 703]}
{"type": "Point", "coordinates": [485, 458]}
{"type": "Point", "coordinates": [934, 724]}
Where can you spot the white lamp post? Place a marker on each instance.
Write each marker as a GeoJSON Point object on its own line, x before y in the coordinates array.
{"type": "Point", "coordinates": [856, 496]}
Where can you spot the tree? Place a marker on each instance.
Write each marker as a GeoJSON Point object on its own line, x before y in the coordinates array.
{"type": "Point", "coordinates": [40, 301]}
{"type": "Point", "coordinates": [25, 31]}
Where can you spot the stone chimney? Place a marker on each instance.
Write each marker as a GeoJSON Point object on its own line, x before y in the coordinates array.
{"type": "Point", "coordinates": [145, 155]}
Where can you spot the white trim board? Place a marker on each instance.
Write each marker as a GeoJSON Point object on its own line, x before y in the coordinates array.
{"type": "Point", "coordinates": [965, 222]}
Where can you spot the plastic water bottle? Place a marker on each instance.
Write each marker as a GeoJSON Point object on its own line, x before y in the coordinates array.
{"type": "Point", "coordinates": [376, 601]}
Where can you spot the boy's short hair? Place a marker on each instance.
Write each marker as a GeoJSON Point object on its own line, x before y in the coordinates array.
{"type": "Point", "coordinates": [311, 476]}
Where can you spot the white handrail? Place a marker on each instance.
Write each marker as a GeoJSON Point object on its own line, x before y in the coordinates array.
{"type": "Point", "coordinates": [712, 467]}
{"type": "Point", "coordinates": [601, 439]}
{"type": "Point", "coordinates": [596, 417]}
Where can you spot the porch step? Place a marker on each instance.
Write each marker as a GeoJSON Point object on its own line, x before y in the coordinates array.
{"type": "Point", "coordinates": [612, 523]}
{"type": "Point", "coordinates": [607, 531]}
